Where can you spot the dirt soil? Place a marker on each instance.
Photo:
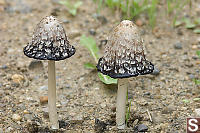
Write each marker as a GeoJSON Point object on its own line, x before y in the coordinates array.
{"type": "Point", "coordinates": [161, 101]}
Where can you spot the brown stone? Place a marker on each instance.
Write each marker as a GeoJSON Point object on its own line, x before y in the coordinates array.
{"type": "Point", "coordinates": [43, 99]}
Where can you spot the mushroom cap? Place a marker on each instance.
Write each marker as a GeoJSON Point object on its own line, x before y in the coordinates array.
{"type": "Point", "coordinates": [124, 53]}
{"type": "Point", "coordinates": [49, 41]}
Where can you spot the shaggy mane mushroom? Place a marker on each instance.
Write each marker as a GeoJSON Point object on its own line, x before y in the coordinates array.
{"type": "Point", "coordinates": [124, 57]}
{"type": "Point", "coordinates": [49, 42]}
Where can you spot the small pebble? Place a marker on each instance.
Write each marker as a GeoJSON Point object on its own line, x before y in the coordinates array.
{"type": "Point", "coordinates": [194, 47]}
{"type": "Point", "coordinates": [139, 22]}
{"type": "Point", "coordinates": [26, 112]}
{"type": "Point", "coordinates": [9, 129]}
{"type": "Point", "coordinates": [43, 99]}
{"type": "Point", "coordinates": [17, 78]}
{"type": "Point", "coordinates": [178, 45]}
{"type": "Point", "coordinates": [143, 102]}
{"type": "Point", "coordinates": [66, 21]}
{"type": "Point", "coordinates": [16, 117]}
{"type": "Point", "coordinates": [45, 112]}
{"type": "Point", "coordinates": [92, 32]}
{"type": "Point", "coordinates": [58, 105]}
{"type": "Point", "coordinates": [103, 105]}
{"type": "Point", "coordinates": [169, 109]}
{"type": "Point", "coordinates": [156, 71]}
{"type": "Point", "coordinates": [63, 124]}
{"type": "Point", "coordinates": [130, 96]}
{"type": "Point", "coordinates": [99, 126]}
{"type": "Point", "coordinates": [43, 88]}
{"type": "Point", "coordinates": [143, 32]}
{"type": "Point", "coordinates": [197, 112]}
{"type": "Point", "coordinates": [162, 78]}
{"type": "Point", "coordinates": [77, 119]}
{"type": "Point", "coordinates": [74, 33]}
{"type": "Point", "coordinates": [113, 109]}
{"type": "Point", "coordinates": [142, 128]}
{"type": "Point", "coordinates": [28, 116]}
{"type": "Point", "coordinates": [195, 57]}
{"type": "Point", "coordinates": [147, 93]}
{"type": "Point", "coordinates": [135, 122]}
{"type": "Point", "coordinates": [157, 118]}
{"type": "Point", "coordinates": [191, 76]}
{"type": "Point", "coordinates": [3, 67]}
{"type": "Point", "coordinates": [64, 102]}
{"type": "Point", "coordinates": [101, 18]}
{"type": "Point", "coordinates": [180, 32]}
{"type": "Point", "coordinates": [26, 83]}
{"type": "Point", "coordinates": [97, 88]}
{"type": "Point", "coordinates": [2, 2]}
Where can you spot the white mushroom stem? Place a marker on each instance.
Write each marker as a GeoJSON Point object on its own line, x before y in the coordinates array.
{"type": "Point", "coordinates": [121, 103]}
{"type": "Point", "coordinates": [52, 95]}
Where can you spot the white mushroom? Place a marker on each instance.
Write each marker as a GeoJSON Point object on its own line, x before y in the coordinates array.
{"type": "Point", "coordinates": [49, 42]}
{"type": "Point", "coordinates": [128, 61]}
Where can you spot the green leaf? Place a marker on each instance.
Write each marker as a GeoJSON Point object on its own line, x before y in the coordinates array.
{"type": "Point", "coordinates": [78, 4]}
{"type": "Point", "coordinates": [177, 23]}
{"type": "Point", "coordinates": [189, 24]}
{"type": "Point", "coordinates": [73, 12]}
{"type": "Point", "coordinates": [196, 99]}
{"type": "Point", "coordinates": [186, 100]}
{"type": "Point", "coordinates": [89, 66]}
{"type": "Point", "coordinates": [106, 79]}
{"type": "Point", "coordinates": [197, 82]}
{"type": "Point", "coordinates": [90, 44]}
{"type": "Point", "coordinates": [72, 8]}
{"type": "Point", "coordinates": [197, 31]}
{"type": "Point", "coordinates": [197, 21]}
{"type": "Point", "coordinates": [198, 53]}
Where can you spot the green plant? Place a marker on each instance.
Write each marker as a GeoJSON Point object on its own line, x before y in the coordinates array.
{"type": "Point", "coordinates": [132, 8]}
{"type": "Point", "coordinates": [71, 7]}
{"type": "Point", "coordinates": [90, 44]}
{"type": "Point", "coordinates": [197, 99]}
{"type": "Point", "coordinates": [196, 31]}
{"type": "Point", "coordinates": [174, 7]}
{"type": "Point", "coordinates": [137, 7]}
{"type": "Point", "coordinates": [197, 22]}
{"type": "Point", "coordinates": [152, 12]}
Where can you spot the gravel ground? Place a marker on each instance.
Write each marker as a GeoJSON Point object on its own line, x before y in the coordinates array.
{"type": "Point", "coordinates": [84, 103]}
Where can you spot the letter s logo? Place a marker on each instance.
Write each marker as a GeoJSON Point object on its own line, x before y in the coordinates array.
{"type": "Point", "coordinates": [191, 123]}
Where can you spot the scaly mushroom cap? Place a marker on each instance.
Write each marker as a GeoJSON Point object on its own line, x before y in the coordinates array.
{"type": "Point", "coordinates": [49, 41]}
{"type": "Point", "coordinates": [124, 54]}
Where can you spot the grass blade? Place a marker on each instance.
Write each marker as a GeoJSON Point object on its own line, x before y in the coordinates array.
{"type": "Point", "coordinates": [89, 66]}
